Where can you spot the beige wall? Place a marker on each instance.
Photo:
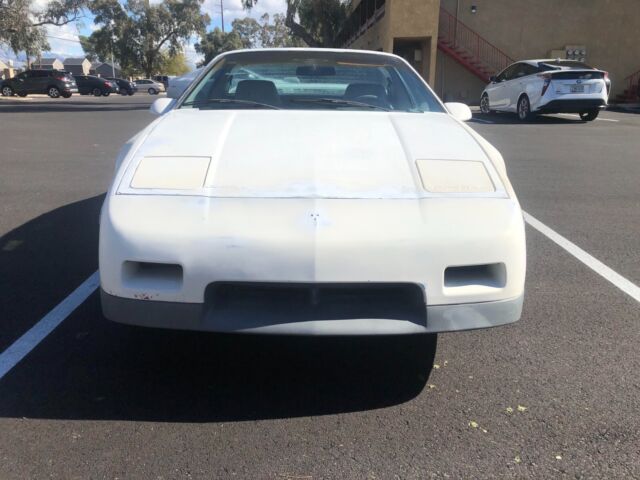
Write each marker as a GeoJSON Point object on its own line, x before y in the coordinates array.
{"type": "Point", "coordinates": [524, 29]}
{"type": "Point", "coordinates": [454, 83]}
{"type": "Point", "coordinates": [406, 20]}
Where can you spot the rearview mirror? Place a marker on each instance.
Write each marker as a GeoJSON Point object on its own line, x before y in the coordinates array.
{"type": "Point", "coordinates": [459, 111]}
{"type": "Point", "coordinates": [315, 71]}
{"type": "Point", "coordinates": [161, 105]}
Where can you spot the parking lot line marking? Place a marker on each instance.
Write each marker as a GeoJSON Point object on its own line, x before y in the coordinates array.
{"type": "Point", "coordinates": [593, 263]}
{"type": "Point", "coordinates": [481, 120]}
{"type": "Point", "coordinates": [28, 341]}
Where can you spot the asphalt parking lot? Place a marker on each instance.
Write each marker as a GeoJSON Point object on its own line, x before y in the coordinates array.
{"type": "Point", "coordinates": [555, 395]}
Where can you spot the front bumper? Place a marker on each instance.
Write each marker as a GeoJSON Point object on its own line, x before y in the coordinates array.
{"type": "Point", "coordinates": [201, 317]}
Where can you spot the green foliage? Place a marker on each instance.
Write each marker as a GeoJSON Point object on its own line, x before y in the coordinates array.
{"type": "Point", "coordinates": [141, 34]}
{"type": "Point", "coordinates": [216, 42]}
{"type": "Point", "coordinates": [316, 22]}
{"type": "Point", "coordinates": [175, 64]}
{"type": "Point", "coordinates": [22, 22]}
{"type": "Point", "coordinates": [247, 33]}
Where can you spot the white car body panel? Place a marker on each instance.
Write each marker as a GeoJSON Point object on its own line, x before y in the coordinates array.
{"type": "Point", "coordinates": [315, 197]}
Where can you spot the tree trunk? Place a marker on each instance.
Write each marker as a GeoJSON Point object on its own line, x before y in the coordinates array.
{"type": "Point", "coordinates": [297, 29]}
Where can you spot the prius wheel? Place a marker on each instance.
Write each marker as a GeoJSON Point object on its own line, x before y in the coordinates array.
{"type": "Point", "coordinates": [524, 109]}
{"type": "Point", "coordinates": [484, 104]}
{"type": "Point", "coordinates": [96, 92]}
{"type": "Point", "coordinates": [53, 92]}
{"type": "Point", "coordinates": [7, 91]}
{"type": "Point", "coordinates": [152, 91]}
{"type": "Point", "coordinates": [589, 115]}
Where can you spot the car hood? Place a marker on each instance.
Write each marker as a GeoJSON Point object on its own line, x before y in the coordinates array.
{"type": "Point", "coordinates": [310, 154]}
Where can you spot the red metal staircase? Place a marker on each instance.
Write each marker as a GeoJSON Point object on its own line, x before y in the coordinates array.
{"type": "Point", "coordinates": [472, 51]}
{"type": "Point", "coordinates": [631, 93]}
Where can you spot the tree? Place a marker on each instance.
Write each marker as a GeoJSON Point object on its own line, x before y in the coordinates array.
{"type": "Point", "coordinates": [22, 23]}
{"type": "Point", "coordinates": [141, 34]}
{"type": "Point", "coordinates": [247, 33]}
{"type": "Point", "coordinates": [316, 22]}
{"type": "Point", "coordinates": [216, 42]}
{"type": "Point", "coordinates": [175, 64]}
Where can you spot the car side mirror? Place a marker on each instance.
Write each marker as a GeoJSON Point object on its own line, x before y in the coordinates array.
{"type": "Point", "coordinates": [161, 105]}
{"type": "Point", "coordinates": [459, 111]}
{"type": "Point", "coordinates": [493, 79]}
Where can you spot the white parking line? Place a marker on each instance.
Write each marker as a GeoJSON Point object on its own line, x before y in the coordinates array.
{"type": "Point", "coordinates": [593, 263]}
{"type": "Point", "coordinates": [481, 120]}
{"type": "Point", "coordinates": [27, 342]}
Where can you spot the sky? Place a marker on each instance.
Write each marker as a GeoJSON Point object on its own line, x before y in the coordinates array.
{"type": "Point", "coordinates": [64, 40]}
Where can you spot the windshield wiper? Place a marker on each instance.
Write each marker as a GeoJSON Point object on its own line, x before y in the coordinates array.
{"type": "Point", "coordinates": [338, 102]}
{"type": "Point", "coordinates": [236, 101]}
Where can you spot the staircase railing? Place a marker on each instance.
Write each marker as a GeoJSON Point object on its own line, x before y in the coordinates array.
{"type": "Point", "coordinates": [480, 51]}
{"type": "Point", "coordinates": [633, 85]}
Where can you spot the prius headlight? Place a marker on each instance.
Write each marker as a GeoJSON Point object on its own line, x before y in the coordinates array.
{"type": "Point", "coordinates": [455, 176]}
{"type": "Point", "coordinates": [171, 173]}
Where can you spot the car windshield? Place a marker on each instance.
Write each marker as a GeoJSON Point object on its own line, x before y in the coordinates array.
{"type": "Point", "coordinates": [303, 79]}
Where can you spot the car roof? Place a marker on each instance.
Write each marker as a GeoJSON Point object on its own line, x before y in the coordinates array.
{"type": "Point", "coordinates": [305, 49]}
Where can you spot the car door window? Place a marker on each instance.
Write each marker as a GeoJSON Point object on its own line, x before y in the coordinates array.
{"type": "Point", "coordinates": [518, 71]}
{"type": "Point", "coordinates": [507, 73]}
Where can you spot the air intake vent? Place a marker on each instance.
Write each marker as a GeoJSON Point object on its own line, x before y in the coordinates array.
{"type": "Point", "coordinates": [296, 302]}
{"type": "Point", "coordinates": [493, 275]}
{"type": "Point", "coordinates": [152, 276]}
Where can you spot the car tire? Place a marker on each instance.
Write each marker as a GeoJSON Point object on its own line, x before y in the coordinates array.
{"type": "Point", "coordinates": [131, 93]}
{"type": "Point", "coordinates": [96, 92]}
{"type": "Point", "coordinates": [53, 92]}
{"type": "Point", "coordinates": [484, 104]}
{"type": "Point", "coordinates": [524, 109]}
{"type": "Point", "coordinates": [152, 91]}
{"type": "Point", "coordinates": [7, 91]}
{"type": "Point", "coordinates": [106, 94]}
{"type": "Point", "coordinates": [589, 115]}
{"type": "Point", "coordinates": [66, 95]}
{"type": "Point", "coordinates": [22, 94]}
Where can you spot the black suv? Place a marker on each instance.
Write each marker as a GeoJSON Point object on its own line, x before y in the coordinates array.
{"type": "Point", "coordinates": [54, 83]}
{"type": "Point", "coordinates": [91, 85]}
{"type": "Point", "coordinates": [126, 87]}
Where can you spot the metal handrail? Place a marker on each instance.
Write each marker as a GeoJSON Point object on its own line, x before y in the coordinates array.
{"type": "Point", "coordinates": [459, 35]}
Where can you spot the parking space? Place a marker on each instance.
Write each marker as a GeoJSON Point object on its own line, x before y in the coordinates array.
{"type": "Point", "coordinates": [554, 395]}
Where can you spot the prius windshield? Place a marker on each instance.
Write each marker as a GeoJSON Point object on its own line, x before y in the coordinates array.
{"type": "Point", "coordinates": [311, 80]}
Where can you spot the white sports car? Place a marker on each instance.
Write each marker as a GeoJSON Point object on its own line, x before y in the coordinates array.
{"type": "Point", "coordinates": [311, 191]}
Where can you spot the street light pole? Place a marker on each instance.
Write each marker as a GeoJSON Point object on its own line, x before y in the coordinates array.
{"type": "Point", "coordinates": [222, 14]}
{"type": "Point", "coordinates": [113, 67]}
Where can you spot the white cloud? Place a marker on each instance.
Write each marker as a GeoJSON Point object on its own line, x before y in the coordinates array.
{"type": "Point", "coordinates": [64, 41]}
{"type": "Point", "coordinates": [233, 9]}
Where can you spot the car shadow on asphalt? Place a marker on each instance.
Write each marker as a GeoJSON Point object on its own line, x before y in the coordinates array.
{"type": "Point", "coordinates": [511, 119]}
{"type": "Point", "coordinates": [80, 106]}
{"type": "Point", "coordinates": [91, 368]}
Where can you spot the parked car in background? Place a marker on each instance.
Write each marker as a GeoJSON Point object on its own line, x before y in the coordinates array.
{"type": "Point", "coordinates": [164, 79]}
{"type": "Point", "coordinates": [92, 85]}
{"type": "Point", "coordinates": [151, 86]}
{"type": "Point", "coordinates": [177, 85]}
{"type": "Point", "coordinates": [530, 87]}
{"type": "Point", "coordinates": [54, 83]}
{"type": "Point", "coordinates": [334, 195]}
{"type": "Point", "coordinates": [126, 87]}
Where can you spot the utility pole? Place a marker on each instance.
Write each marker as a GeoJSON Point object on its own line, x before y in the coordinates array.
{"type": "Point", "coordinates": [222, 14]}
